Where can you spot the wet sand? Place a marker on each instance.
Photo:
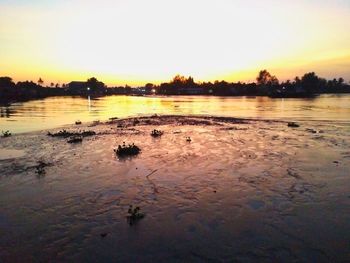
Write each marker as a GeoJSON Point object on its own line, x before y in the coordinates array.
{"type": "Point", "coordinates": [239, 191]}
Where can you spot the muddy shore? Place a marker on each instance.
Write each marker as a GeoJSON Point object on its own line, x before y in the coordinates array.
{"type": "Point", "coordinates": [240, 190]}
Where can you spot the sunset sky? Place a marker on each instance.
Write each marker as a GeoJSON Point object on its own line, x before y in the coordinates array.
{"type": "Point", "coordinates": [140, 41]}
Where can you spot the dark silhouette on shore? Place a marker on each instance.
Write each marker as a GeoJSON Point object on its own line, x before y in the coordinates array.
{"type": "Point", "coordinates": [266, 84]}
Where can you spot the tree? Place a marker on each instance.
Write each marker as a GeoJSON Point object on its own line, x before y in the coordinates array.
{"type": "Point", "coordinates": [310, 82]}
{"type": "Point", "coordinates": [40, 82]}
{"type": "Point", "coordinates": [178, 79]}
{"type": "Point", "coordinates": [6, 82]}
{"type": "Point", "coordinates": [266, 79]}
{"type": "Point", "coordinates": [94, 85]}
{"type": "Point", "coordinates": [149, 86]}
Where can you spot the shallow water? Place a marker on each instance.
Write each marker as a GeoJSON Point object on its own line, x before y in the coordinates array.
{"type": "Point", "coordinates": [57, 111]}
{"type": "Point", "coordinates": [238, 192]}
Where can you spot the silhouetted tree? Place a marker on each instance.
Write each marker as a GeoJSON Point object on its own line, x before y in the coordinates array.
{"type": "Point", "coordinates": [40, 82]}
{"type": "Point", "coordinates": [94, 85]}
{"type": "Point", "coordinates": [6, 82]}
{"type": "Point", "coordinates": [310, 82]}
{"type": "Point", "coordinates": [266, 79]}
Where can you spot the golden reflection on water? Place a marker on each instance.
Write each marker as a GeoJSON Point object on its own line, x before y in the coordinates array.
{"type": "Point", "coordinates": [57, 111]}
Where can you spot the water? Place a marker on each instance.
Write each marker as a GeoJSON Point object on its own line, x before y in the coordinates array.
{"type": "Point", "coordinates": [57, 111]}
{"type": "Point", "coordinates": [257, 192]}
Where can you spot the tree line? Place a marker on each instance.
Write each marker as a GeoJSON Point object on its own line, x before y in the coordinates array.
{"type": "Point", "coordinates": [266, 84]}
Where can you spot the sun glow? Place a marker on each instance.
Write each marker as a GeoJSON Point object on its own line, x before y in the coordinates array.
{"type": "Point", "coordinates": [136, 42]}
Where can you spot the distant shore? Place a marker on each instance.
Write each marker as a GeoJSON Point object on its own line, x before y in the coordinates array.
{"type": "Point", "coordinates": [308, 86]}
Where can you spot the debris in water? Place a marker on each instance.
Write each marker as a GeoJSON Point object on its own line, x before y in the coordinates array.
{"type": "Point", "coordinates": [134, 215]}
{"type": "Point", "coordinates": [156, 133]}
{"type": "Point", "coordinates": [103, 235]}
{"type": "Point", "coordinates": [66, 134]}
{"type": "Point", "coordinates": [75, 139]}
{"type": "Point", "coordinates": [127, 150]}
{"type": "Point", "coordinates": [6, 134]}
{"type": "Point", "coordinates": [293, 125]}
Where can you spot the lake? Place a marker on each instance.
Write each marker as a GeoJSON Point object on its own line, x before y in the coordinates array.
{"type": "Point", "coordinates": [57, 111]}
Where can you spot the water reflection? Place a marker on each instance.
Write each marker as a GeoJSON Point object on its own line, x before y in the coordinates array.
{"type": "Point", "coordinates": [56, 111]}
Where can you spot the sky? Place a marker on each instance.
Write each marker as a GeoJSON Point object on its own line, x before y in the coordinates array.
{"type": "Point", "coordinates": [138, 41]}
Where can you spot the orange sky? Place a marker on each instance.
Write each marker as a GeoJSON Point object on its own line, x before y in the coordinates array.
{"type": "Point", "coordinates": [139, 41]}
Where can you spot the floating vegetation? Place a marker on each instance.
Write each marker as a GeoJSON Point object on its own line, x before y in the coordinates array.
{"type": "Point", "coordinates": [157, 133]}
{"type": "Point", "coordinates": [78, 122]}
{"type": "Point", "coordinates": [6, 134]}
{"type": "Point", "coordinates": [127, 150]}
{"type": "Point", "coordinates": [188, 139]}
{"type": "Point", "coordinates": [134, 215]}
{"type": "Point", "coordinates": [293, 125]}
{"type": "Point", "coordinates": [40, 168]}
{"type": "Point", "coordinates": [67, 134]}
{"type": "Point", "coordinates": [103, 235]}
{"type": "Point", "coordinates": [75, 139]}
{"type": "Point", "coordinates": [311, 130]}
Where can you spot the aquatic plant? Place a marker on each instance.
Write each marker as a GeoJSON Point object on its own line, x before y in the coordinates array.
{"type": "Point", "coordinates": [75, 139]}
{"type": "Point", "coordinates": [157, 133]}
{"type": "Point", "coordinates": [103, 235]}
{"type": "Point", "coordinates": [134, 215]}
{"type": "Point", "coordinates": [293, 125]}
{"type": "Point", "coordinates": [311, 130]}
{"type": "Point", "coordinates": [6, 134]}
{"type": "Point", "coordinates": [40, 168]}
{"type": "Point", "coordinates": [66, 134]}
{"type": "Point", "coordinates": [127, 150]}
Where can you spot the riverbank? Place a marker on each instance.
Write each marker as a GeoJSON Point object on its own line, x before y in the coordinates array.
{"type": "Point", "coordinates": [239, 189]}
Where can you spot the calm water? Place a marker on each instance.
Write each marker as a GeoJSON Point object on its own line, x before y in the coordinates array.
{"type": "Point", "coordinates": [56, 111]}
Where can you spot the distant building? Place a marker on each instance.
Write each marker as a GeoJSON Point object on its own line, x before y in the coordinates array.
{"type": "Point", "coordinates": [86, 87]}
{"type": "Point", "coordinates": [78, 87]}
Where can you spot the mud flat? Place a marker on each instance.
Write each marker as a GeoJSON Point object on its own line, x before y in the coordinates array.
{"type": "Point", "coordinates": [211, 189]}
